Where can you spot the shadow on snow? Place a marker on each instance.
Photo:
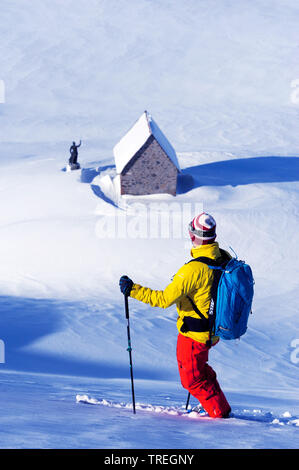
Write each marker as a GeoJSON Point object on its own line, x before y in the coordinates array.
{"type": "Point", "coordinates": [25, 320]}
{"type": "Point", "coordinates": [239, 172]}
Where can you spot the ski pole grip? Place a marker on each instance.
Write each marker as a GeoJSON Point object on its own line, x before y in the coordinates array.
{"type": "Point", "coordinates": [126, 306]}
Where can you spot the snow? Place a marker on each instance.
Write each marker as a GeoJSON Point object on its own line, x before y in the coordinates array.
{"type": "Point", "coordinates": [136, 137]}
{"type": "Point", "coordinates": [220, 78]}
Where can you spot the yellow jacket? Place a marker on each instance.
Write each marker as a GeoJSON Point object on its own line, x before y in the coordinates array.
{"type": "Point", "coordinates": [192, 279]}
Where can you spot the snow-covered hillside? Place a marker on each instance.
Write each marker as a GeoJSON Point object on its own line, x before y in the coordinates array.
{"type": "Point", "coordinates": [217, 77]}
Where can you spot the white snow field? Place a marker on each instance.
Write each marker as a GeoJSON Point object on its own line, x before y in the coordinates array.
{"type": "Point", "coordinates": [220, 79]}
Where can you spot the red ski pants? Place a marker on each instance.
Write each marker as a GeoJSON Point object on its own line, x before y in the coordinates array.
{"type": "Point", "coordinates": [199, 378]}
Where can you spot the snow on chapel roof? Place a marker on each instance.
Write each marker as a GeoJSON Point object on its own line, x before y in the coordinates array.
{"type": "Point", "coordinates": [136, 137]}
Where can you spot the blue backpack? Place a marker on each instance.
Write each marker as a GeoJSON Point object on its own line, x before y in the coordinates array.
{"type": "Point", "coordinates": [231, 299]}
{"type": "Point", "coordinates": [234, 299]}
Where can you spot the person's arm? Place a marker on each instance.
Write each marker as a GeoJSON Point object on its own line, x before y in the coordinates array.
{"type": "Point", "coordinates": [79, 144]}
{"type": "Point", "coordinates": [183, 283]}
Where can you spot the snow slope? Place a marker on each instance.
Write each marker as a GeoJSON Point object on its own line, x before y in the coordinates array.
{"type": "Point", "coordinates": [215, 75]}
{"type": "Point", "coordinates": [217, 78]}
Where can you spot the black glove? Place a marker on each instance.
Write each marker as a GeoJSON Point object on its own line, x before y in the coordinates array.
{"type": "Point", "coordinates": [125, 284]}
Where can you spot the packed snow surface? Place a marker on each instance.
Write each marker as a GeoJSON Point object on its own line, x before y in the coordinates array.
{"type": "Point", "coordinates": [220, 80]}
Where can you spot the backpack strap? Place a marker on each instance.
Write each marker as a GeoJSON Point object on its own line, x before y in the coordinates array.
{"type": "Point", "coordinates": [195, 324]}
{"type": "Point", "coordinates": [202, 323]}
{"type": "Point", "coordinates": [218, 263]}
{"type": "Point", "coordinates": [213, 303]}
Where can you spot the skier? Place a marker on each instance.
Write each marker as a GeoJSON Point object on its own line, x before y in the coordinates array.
{"type": "Point", "coordinates": [73, 163]}
{"type": "Point", "coordinates": [191, 287]}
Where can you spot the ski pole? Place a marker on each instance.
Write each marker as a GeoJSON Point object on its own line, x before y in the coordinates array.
{"type": "Point", "coordinates": [188, 399]}
{"type": "Point", "coordinates": [130, 350]}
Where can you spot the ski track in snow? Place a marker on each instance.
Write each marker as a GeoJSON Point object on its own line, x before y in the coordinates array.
{"type": "Point", "coordinates": [245, 414]}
